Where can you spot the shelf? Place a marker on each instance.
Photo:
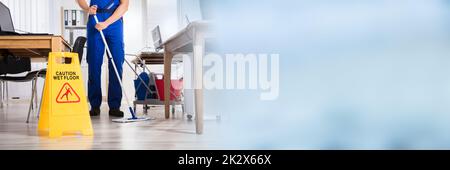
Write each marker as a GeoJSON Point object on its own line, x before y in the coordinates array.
{"type": "Point", "coordinates": [75, 27]}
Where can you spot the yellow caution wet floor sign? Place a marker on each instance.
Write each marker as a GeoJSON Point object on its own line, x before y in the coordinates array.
{"type": "Point", "coordinates": [64, 105]}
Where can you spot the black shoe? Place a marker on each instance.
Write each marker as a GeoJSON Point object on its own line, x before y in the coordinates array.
{"type": "Point", "coordinates": [115, 113]}
{"type": "Point", "coordinates": [94, 112]}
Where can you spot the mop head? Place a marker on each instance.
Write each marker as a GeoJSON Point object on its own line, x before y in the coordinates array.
{"type": "Point", "coordinates": [131, 120]}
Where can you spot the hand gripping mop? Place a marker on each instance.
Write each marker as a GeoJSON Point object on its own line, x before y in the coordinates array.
{"type": "Point", "coordinates": [133, 118]}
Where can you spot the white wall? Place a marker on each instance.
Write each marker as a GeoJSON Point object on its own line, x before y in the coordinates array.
{"type": "Point", "coordinates": [134, 26]}
{"type": "Point", "coordinates": [188, 9]}
{"type": "Point", "coordinates": [135, 39]}
{"type": "Point", "coordinates": [30, 15]}
{"type": "Point", "coordinates": [164, 14]}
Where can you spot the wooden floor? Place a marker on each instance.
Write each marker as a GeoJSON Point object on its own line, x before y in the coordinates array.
{"type": "Point", "coordinates": [160, 134]}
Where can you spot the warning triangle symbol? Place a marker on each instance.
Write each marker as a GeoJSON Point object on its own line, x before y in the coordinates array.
{"type": "Point", "coordinates": [67, 95]}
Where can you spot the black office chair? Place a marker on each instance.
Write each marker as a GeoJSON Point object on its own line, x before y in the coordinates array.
{"type": "Point", "coordinates": [78, 47]}
{"type": "Point", "coordinates": [32, 76]}
{"type": "Point", "coordinates": [10, 64]}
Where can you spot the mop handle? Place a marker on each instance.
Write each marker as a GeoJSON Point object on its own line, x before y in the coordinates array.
{"type": "Point", "coordinates": [115, 68]}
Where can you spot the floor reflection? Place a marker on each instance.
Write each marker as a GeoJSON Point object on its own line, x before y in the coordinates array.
{"type": "Point", "coordinates": [66, 143]}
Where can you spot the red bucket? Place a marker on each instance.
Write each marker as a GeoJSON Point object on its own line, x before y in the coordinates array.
{"type": "Point", "coordinates": [176, 86]}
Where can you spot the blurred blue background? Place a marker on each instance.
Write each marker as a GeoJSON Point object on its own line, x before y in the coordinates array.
{"type": "Point", "coordinates": [353, 74]}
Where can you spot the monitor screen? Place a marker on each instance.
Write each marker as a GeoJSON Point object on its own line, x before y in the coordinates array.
{"type": "Point", "coordinates": [157, 40]}
{"type": "Point", "coordinates": [6, 23]}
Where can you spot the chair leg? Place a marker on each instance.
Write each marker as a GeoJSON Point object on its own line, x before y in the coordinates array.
{"type": "Point", "coordinates": [1, 94]}
{"type": "Point", "coordinates": [40, 102]}
{"type": "Point", "coordinates": [182, 109]}
{"type": "Point", "coordinates": [33, 86]}
{"type": "Point", "coordinates": [35, 94]}
{"type": "Point", "coordinates": [32, 95]}
{"type": "Point", "coordinates": [7, 93]}
{"type": "Point", "coordinates": [173, 109]}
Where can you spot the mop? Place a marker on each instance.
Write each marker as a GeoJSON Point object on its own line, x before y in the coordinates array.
{"type": "Point", "coordinates": [133, 118]}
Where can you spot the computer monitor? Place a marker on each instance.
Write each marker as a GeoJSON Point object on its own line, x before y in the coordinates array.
{"type": "Point", "coordinates": [157, 40]}
{"type": "Point", "coordinates": [6, 23]}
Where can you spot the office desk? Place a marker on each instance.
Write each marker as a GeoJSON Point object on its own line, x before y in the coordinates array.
{"type": "Point", "coordinates": [190, 39]}
{"type": "Point", "coordinates": [35, 46]}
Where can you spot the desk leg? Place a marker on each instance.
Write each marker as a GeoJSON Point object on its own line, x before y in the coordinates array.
{"type": "Point", "coordinates": [56, 45]}
{"type": "Point", "coordinates": [198, 53]}
{"type": "Point", "coordinates": [167, 72]}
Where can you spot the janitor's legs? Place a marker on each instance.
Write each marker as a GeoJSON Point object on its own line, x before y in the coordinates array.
{"type": "Point", "coordinates": [114, 38]}
{"type": "Point", "coordinates": [95, 51]}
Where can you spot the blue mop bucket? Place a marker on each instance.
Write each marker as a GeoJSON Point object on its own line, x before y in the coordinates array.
{"type": "Point", "coordinates": [140, 88]}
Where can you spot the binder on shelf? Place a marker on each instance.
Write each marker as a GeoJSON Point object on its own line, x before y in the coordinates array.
{"type": "Point", "coordinates": [74, 17]}
{"type": "Point", "coordinates": [66, 17]}
{"type": "Point", "coordinates": [69, 17]}
{"type": "Point", "coordinates": [78, 18]}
